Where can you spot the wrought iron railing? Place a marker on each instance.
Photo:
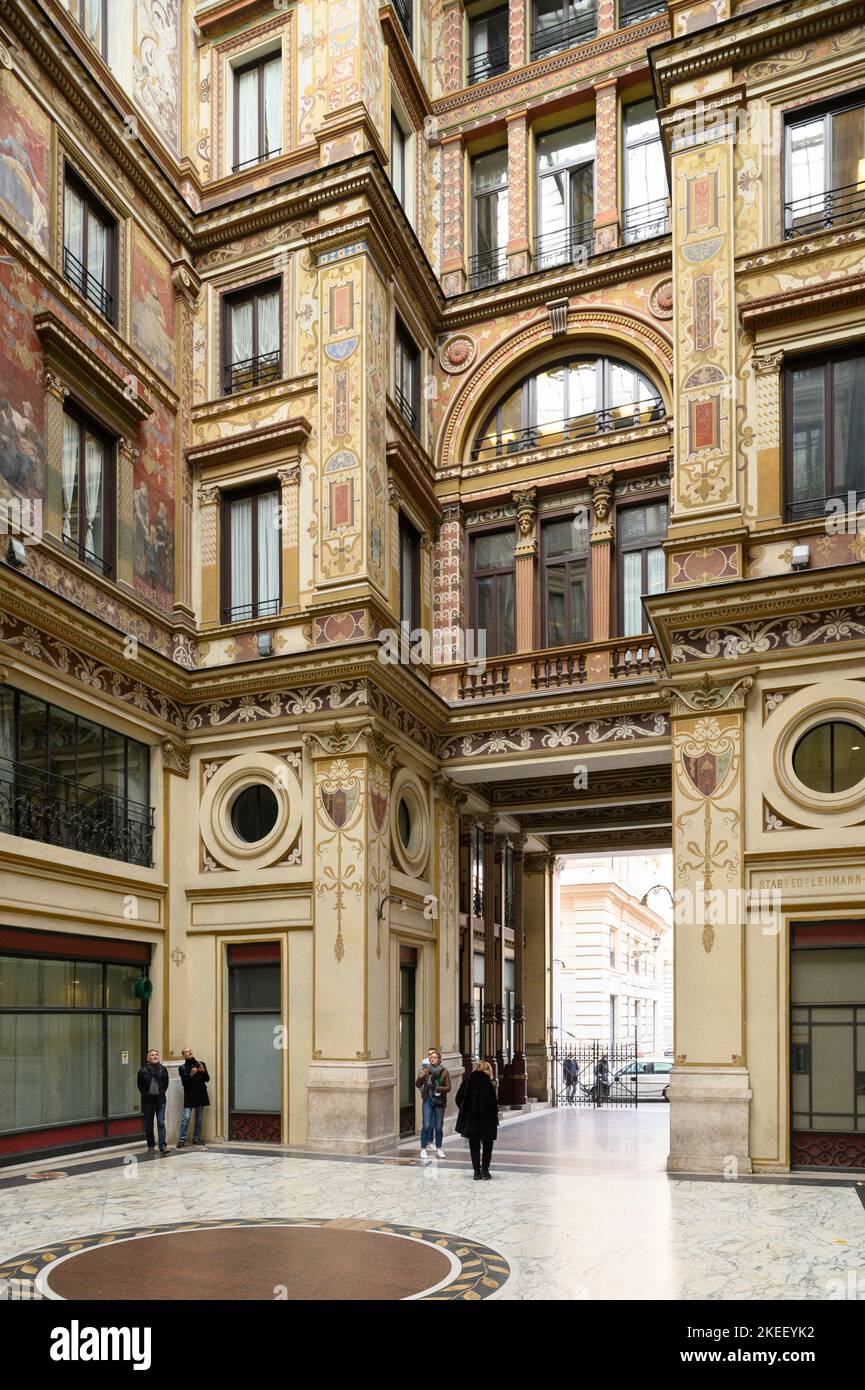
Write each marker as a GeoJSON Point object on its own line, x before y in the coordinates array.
{"type": "Point", "coordinates": [55, 811]}
{"type": "Point", "coordinates": [253, 371]}
{"type": "Point", "coordinates": [407, 408]}
{"type": "Point", "coordinates": [403, 14]}
{"type": "Point", "coordinates": [246, 612]}
{"type": "Point", "coordinates": [806, 508]}
{"type": "Point", "coordinates": [817, 211]}
{"type": "Point", "coordinates": [646, 221]}
{"type": "Point", "coordinates": [568, 246]}
{"type": "Point", "coordinates": [488, 64]}
{"type": "Point", "coordinates": [487, 268]}
{"type": "Point", "coordinates": [554, 433]}
{"type": "Point", "coordinates": [571, 31]}
{"type": "Point", "coordinates": [94, 291]}
{"type": "Point", "coordinates": [632, 11]}
{"type": "Point", "coordinates": [255, 159]}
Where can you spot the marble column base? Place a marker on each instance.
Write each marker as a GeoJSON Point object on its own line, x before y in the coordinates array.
{"type": "Point", "coordinates": [537, 1071]}
{"type": "Point", "coordinates": [352, 1106]}
{"type": "Point", "coordinates": [709, 1113]}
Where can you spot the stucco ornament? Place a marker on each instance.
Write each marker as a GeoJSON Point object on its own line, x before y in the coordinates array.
{"type": "Point", "coordinates": [458, 353]}
{"type": "Point", "coordinates": [661, 300]}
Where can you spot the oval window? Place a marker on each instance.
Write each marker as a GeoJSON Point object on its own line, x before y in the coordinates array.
{"type": "Point", "coordinates": [254, 813]}
{"type": "Point", "coordinates": [831, 756]}
{"type": "Point", "coordinates": [403, 820]}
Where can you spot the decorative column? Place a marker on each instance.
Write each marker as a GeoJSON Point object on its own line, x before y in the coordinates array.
{"type": "Point", "coordinates": [601, 541]}
{"type": "Point", "coordinates": [498, 983]}
{"type": "Point", "coordinates": [606, 162]}
{"type": "Point", "coordinates": [289, 482]}
{"type": "Point", "coordinates": [56, 394]}
{"type": "Point", "coordinates": [607, 18]}
{"type": "Point", "coordinates": [187, 290]}
{"type": "Point", "coordinates": [127, 455]}
{"type": "Point", "coordinates": [709, 1085]}
{"type": "Point", "coordinates": [517, 51]}
{"type": "Point", "coordinates": [518, 202]}
{"type": "Point", "coordinates": [537, 960]}
{"type": "Point", "coordinates": [449, 799]}
{"type": "Point", "coordinates": [467, 1013]}
{"type": "Point", "coordinates": [448, 587]}
{"type": "Point", "coordinates": [766, 366]}
{"type": "Point", "coordinates": [453, 265]}
{"type": "Point", "coordinates": [519, 1093]}
{"type": "Point", "coordinates": [489, 909]}
{"type": "Point", "coordinates": [208, 521]}
{"type": "Point", "coordinates": [426, 571]}
{"type": "Point", "coordinates": [525, 564]}
{"type": "Point", "coordinates": [452, 41]}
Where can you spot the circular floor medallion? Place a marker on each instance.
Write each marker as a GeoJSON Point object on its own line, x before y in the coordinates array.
{"type": "Point", "coordinates": [277, 1259]}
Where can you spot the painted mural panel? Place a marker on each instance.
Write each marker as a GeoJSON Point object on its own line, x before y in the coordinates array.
{"type": "Point", "coordinates": [157, 65]}
{"type": "Point", "coordinates": [25, 154]}
{"type": "Point", "coordinates": [21, 392]}
{"type": "Point", "coordinates": [153, 307]}
{"type": "Point", "coordinates": [153, 510]}
{"type": "Point", "coordinates": [312, 55]}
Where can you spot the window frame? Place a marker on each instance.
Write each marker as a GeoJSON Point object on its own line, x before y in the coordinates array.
{"type": "Point", "coordinates": [87, 424]}
{"type": "Point", "coordinates": [102, 48]}
{"type": "Point", "coordinates": [409, 534]}
{"type": "Point", "coordinates": [544, 563]}
{"type": "Point", "coordinates": [648, 499]}
{"type": "Point", "coordinates": [494, 274]}
{"type": "Point", "coordinates": [626, 202]}
{"type": "Point", "coordinates": [93, 207]}
{"type": "Point", "coordinates": [259, 62]}
{"type": "Point", "coordinates": [826, 359]}
{"type": "Point", "coordinates": [492, 70]}
{"type": "Point", "coordinates": [230, 300]}
{"type": "Point", "coordinates": [567, 253]}
{"type": "Point", "coordinates": [825, 111]}
{"type": "Point", "coordinates": [227, 497]}
{"type": "Point", "coordinates": [570, 40]}
{"type": "Point", "coordinates": [400, 187]}
{"type": "Point", "coordinates": [407, 350]}
{"type": "Point", "coordinates": [493, 529]}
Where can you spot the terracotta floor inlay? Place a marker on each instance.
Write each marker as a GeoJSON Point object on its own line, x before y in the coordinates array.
{"type": "Point", "coordinates": [276, 1259]}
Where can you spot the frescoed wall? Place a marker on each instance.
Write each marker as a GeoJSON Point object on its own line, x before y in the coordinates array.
{"type": "Point", "coordinates": [153, 510]}
{"type": "Point", "coordinates": [153, 307]}
{"type": "Point", "coordinates": [156, 69]}
{"type": "Point", "coordinates": [21, 391]}
{"type": "Point", "coordinates": [25, 152]}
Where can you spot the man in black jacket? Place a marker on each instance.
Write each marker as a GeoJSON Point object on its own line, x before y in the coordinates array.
{"type": "Point", "coordinates": [153, 1083]}
{"type": "Point", "coordinates": [194, 1077]}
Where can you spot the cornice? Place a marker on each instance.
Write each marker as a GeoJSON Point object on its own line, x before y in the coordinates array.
{"type": "Point", "coordinates": [412, 468]}
{"type": "Point", "coordinates": [65, 351]}
{"type": "Point", "coordinates": [842, 292]}
{"type": "Point", "coordinates": [226, 14]}
{"type": "Point", "coordinates": [284, 435]}
{"type": "Point", "coordinates": [226, 407]}
{"type": "Point", "coordinates": [408, 80]}
{"type": "Point", "coordinates": [580, 706]}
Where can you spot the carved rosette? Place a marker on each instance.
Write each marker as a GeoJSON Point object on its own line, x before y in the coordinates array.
{"type": "Point", "coordinates": [457, 353]}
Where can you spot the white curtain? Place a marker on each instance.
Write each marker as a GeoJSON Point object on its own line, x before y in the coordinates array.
{"type": "Point", "coordinates": [246, 116]}
{"type": "Point", "coordinates": [268, 324]}
{"type": "Point", "coordinates": [93, 461]}
{"type": "Point", "coordinates": [69, 475]}
{"type": "Point", "coordinates": [73, 224]}
{"type": "Point", "coordinates": [273, 107]}
{"type": "Point", "coordinates": [93, 21]}
{"type": "Point", "coordinates": [268, 552]}
{"type": "Point", "coordinates": [656, 575]}
{"type": "Point", "coordinates": [632, 606]}
{"type": "Point", "coordinates": [241, 556]}
{"type": "Point", "coordinates": [241, 332]}
{"type": "Point", "coordinates": [97, 252]}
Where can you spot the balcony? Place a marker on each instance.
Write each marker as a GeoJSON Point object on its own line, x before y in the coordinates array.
{"type": "Point", "coordinates": [576, 29]}
{"type": "Point", "coordinates": [407, 408]}
{"type": "Point", "coordinates": [253, 371]}
{"type": "Point", "coordinates": [571, 245]}
{"type": "Point", "coordinates": [817, 211]}
{"type": "Point", "coordinates": [256, 159]}
{"type": "Point", "coordinates": [55, 811]}
{"type": "Point", "coordinates": [820, 508]}
{"type": "Point", "coordinates": [619, 659]}
{"type": "Point", "coordinates": [488, 63]}
{"type": "Point", "coordinates": [555, 433]}
{"type": "Point", "coordinates": [645, 221]}
{"type": "Point", "coordinates": [248, 612]}
{"type": "Point", "coordinates": [632, 11]}
{"type": "Point", "coordinates": [87, 284]}
{"type": "Point", "coordinates": [487, 268]}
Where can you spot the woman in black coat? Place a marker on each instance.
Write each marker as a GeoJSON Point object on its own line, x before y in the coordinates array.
{"type": "Point", "coordinates": [479, 1116]}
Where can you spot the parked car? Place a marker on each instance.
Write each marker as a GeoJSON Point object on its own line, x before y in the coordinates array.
{"type": "Point", "coordinates": [649, 1075]}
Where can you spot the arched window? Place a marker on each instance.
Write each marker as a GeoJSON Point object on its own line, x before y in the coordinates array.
{"type": "Point", "coordinates": [568, 401]}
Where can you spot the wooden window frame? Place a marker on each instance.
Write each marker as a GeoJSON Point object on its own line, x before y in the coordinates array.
{"type": "Point", "coordinates": [103, 47]}
{"type": "Point", "coordinates": [824, 111]}
{"type": "Point", "coordinates": [475, 574]}
{"type": "Point", "coordinates": [413, 579]}
{"type": "Point", "coordinates": [255, 63]}
{"type": "Point", "coordinates": [544, 562]}
{"type": "Point", "coordinates": [230, 300]}
{"type": "Point", "coordinates": [648, 499]}
{"type": "Point", "coordinates": [240, 494]}
{"type": "Point", "coordinates": [827, 360]}
{"type": "Point", "coordinates": [86, 423]}
{"type": "Point", "coordinates": [406, 348]}
{"type": "Point", "coordinates": [93, 206]}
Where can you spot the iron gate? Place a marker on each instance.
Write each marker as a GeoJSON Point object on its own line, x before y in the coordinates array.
{"type": "Point", "coordinates": [592, 1074]}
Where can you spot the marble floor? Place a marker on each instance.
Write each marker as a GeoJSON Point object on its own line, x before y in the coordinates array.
{"type": "Point", "coordinates": [580, 1208]}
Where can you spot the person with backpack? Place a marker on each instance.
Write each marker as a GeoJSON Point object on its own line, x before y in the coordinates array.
{"type": "Point", "coordinates": [434, 1083]}
{"type": "Point", "coordinates": [478, 1120]}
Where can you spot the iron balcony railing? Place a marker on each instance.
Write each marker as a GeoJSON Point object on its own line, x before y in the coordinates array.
{"type": "Point", "coordinates": [407, 408]}
{"type": "Point", "coordinates": [806, 508]}
{"type": "Point", "coordinates": [403, 14]}
{"type": "Point", "coordinates": [253, 371]}
{"type": "Point", "coordinates": [578, 28]}
{"type": "Point", "coordinates": [646, 221]}
{"type": "Point", "coordinates": [255, 159]}
{"type": "Point", "coordinates": [632, 11]}
{"type": "Point", "coordinates": [816, 211]}
{"type": "Point", "coordinates": [554, 433]}
{"type": "Point", "coordinates": [568, 246]}
{"type": "Point", "coordinates": [488, 64]}
{"type": "Point", "coordinates": [55, 811]}
{"type": "Point", "coordinates": [488, 268]}
{"type": "Point", "coordinates": [245, 612]}
{"type": "Point", "coordinates": [94, 290]}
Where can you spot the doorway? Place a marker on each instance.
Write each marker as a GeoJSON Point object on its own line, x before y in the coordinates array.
{"type": "Point", "coordinates": [255, 1070]}
{"type": "Point", "coordinates": [407, 1043]}
{"type": "Point", "coordinates": [827, 1045]}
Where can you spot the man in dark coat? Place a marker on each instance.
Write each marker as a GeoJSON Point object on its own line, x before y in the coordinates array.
{"type": "Point", "coordinates": [194, 1077]}
{"type": "Point", "coordinates": [479, 1116]}
{"type": "Point", "coordinates": [153, 1083]}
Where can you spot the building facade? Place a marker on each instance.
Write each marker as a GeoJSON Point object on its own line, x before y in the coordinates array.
{"type": "Point", "coordinates": [418, 429]}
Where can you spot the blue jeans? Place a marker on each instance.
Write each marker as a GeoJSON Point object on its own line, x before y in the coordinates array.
{"type": "Point", "coordinates": [433, 1118]}
{"type": "Point", "coordinates": [184, 1121]}
{"type": "Point", "coordinates": [156, 1111]}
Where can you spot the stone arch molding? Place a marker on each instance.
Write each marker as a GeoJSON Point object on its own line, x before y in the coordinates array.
{"type": "Point", "coordinates": [618, 329]}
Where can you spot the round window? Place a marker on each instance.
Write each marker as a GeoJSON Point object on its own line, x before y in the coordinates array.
{"type": "Point", "coordinates": [831, 757]}
{"type": "Point", "coordinates": [254, 813]}
{"type": "Point", "coordinates": [403, 820]}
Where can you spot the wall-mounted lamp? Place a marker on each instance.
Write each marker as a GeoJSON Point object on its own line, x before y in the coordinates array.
{"type": "Point", "coordinates": [391, 898]}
